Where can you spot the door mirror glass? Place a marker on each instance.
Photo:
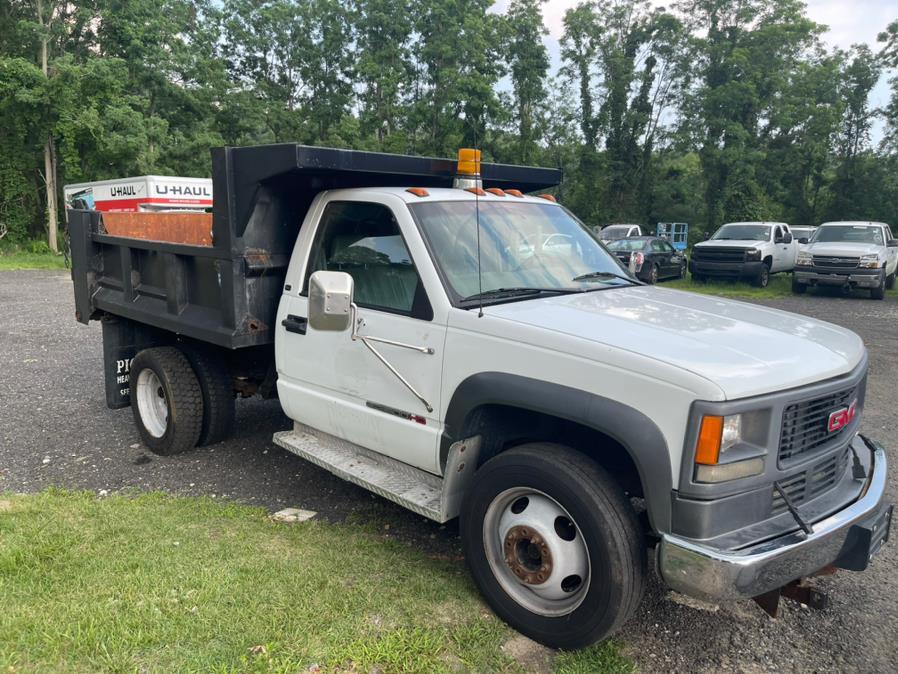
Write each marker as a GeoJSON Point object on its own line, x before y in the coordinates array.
{"type": "Point", "coordinates": [787, 238]}
{"type": "Point", "coordinates": [330, 301]}
{"type": "Point", "coordinates": [893, 243]}
{"type": "Point", "coordinates": [803, 240]}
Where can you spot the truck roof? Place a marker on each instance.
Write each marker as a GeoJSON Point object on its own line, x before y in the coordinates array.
{"type": "Point", "coordinates": [855, 223]}
{"type": "Point", "coordinates": [443, 194]}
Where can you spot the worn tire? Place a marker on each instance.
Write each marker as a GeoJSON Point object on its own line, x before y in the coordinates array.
{"type": "Point", "coordinates": [890, 281]}
{"type": "Point", "coordinates": [183, 400]}
{"type": "Point", "coordinates": [799, 288]}
{"type": "Point", "coordinates": [763, 277]}
{"type": "Point", "coordinates": [601, 512]}
{"type": "Point", "coordinates": [653, 275]}
{"type": "Point", "coordinates": [218, 395]}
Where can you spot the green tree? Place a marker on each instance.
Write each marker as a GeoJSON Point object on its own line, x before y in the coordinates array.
{"type": "Point", "coordinates": [528, 63]}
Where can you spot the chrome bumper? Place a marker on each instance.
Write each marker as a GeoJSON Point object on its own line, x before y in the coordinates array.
{"type": "Point", "coordinates": [862, 279]}
{"type": "Point", "coordinates": [716, 575]}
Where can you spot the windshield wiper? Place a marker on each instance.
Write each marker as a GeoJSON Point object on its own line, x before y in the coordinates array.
{"type": "Point", "coordinates": [511, 292]}
{"type": "Point", "coordinates": [598, 275]}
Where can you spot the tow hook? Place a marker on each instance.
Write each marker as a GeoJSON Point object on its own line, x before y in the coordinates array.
{"type": "Point", "coordinates": [798, 590]}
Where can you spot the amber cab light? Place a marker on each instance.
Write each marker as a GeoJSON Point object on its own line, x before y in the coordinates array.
{"type": "Point", "coordinates": [547, 197]}
{"type": "Point", "coordinates": [418, 191]}
{"type": "Point", "coordinates": [496, 191]}
{"type": "Point", "coordinates": [468, 162]}
{"type": "Point", "coordinates": [515, 193]}
{"type": "Point", "coordinates": [479, 191]}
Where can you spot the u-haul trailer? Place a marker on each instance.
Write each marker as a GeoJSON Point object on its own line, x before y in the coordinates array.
{"type": "Point", "coordinates": [143, 193]}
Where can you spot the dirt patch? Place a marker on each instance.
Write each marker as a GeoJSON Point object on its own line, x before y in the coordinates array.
{"type": "Point", "coordinates": [5, 505]}
{"type": "Point", "coordinates": [533, 658]}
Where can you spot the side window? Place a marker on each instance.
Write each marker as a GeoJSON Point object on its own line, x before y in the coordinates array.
{"type": "Point", "coordinates": [667, 247]}
{"type": "Point", "coordinates": [363, 240]}
{"type": "Point", "coordinates": [778, 233]}
{"type": "Point", "coordinates": [658, 246]}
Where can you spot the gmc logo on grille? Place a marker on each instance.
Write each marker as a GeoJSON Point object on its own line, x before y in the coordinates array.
{"type": "Point", "coordinates": [841, 418]}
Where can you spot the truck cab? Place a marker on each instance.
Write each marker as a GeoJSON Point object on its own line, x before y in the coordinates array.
{"type": "Point", "coordinates": [745, 251]}
{"type": "Point", "coordinates": [467, 350]}
{"type": "Point", "coordinates": [614, 232]}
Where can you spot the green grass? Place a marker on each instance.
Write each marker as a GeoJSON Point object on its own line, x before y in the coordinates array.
{"type": "Point", "coordinates": [780, 285]}
{"type": "Point", "coordinates": [154, 583]}
{"type": "Point", "coordinates": [12, 261]}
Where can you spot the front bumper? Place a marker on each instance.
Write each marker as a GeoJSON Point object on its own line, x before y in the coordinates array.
{"type": "Point", "coordinates": [861, 278]}
{"type": "Point", "coordinates": [847, 538]}
{"type": "Point", "coordinates": [734, 270]}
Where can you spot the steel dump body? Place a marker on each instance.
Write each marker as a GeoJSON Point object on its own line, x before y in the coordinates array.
{"type": "Point", "coordinates": [227, 293]}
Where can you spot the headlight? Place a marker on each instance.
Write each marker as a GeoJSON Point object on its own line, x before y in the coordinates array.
{"type": "Point", "coordinates": [717, 437]}
{"type": "Point", "coordinates": [870, 261]}
{"type": "Point", "coordinates": [804, 259]}
{"type": "Point", "coordinates": [753, 254]}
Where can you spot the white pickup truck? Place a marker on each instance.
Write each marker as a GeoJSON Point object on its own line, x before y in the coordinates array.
{"type": "Point", "coordinates": [745, 250]}
{"type": "Point", "coordinates": [848, 255]}
{"type": "Point", "coordinates": [477, 353]}
{"type": "Point", "coordinates": [615, 232]}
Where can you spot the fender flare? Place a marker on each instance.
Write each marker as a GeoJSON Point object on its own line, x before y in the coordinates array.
{"type": "Point", "coordinates": [637, 433]}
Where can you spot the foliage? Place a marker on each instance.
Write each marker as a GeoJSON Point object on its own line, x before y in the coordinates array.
{"type": "Point", "coordinates": [704, 111]}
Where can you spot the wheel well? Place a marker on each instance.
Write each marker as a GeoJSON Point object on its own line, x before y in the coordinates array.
{"type": "Point", "coordinates": [502, 427]}
{"type": "Point", "coordinates": [768, 261]}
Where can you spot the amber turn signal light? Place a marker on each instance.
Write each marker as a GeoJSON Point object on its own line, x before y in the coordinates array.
{"type": "Point", "coordinates": [707, 451]}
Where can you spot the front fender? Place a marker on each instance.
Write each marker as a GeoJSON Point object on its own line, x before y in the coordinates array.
{"type": "Point", "coordinates": [637, 433]}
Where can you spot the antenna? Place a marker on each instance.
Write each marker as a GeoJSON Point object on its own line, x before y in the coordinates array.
{"type": "Point", "coordinates": [479, 267]}
{"type": "Point", "coordinates": [468, 178]}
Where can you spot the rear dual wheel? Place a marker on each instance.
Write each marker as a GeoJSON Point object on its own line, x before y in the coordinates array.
{"type": "Point", "coordinates": [180, 399]}
{"type": "Point", "coordinates": [553, 544]}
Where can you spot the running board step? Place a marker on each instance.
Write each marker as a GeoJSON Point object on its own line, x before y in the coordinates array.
{"type": "Point", "coordinates": [415, 489]}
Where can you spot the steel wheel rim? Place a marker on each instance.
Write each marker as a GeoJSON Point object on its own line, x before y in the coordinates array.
{"type": "Point", "coordinates": [654, 276]}
{"type": "Point", "coordinates": [152, 403]}
{"type": "Point", "coordinates": [551, 580]}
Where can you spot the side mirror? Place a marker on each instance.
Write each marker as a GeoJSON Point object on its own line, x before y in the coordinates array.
{"type": "Point", "coordinates": [893, 243]}
{"type": "Point", "coordinates": [330, 301]}
{"type": "Point", "coordinates": [707, 235]}
{"type": "Point", "coordinates": [787, 237]}
{"type": "Point", "coordinates": [803, 240]}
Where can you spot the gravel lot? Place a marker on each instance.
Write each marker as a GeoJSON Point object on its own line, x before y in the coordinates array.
{"type": "Point", "coordinates": [55, 429]}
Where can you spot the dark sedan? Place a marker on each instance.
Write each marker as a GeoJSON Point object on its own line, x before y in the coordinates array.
{"type": "Point", "coordinates": [651, 258]}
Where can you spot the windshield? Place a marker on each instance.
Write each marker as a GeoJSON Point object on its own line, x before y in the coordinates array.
{"type": "Point", "coordinates": [741, 232]}
{"type": "Point", "coordinates": [614, 232]}
{"type": "Point", "coordinates": [848, 234]}
{"type": "Point", "coordinates": [523, 245]}
{"type": "Point", "coordinates": [626, 244]}
{"type": "Point", "coordinates": [802, 232]}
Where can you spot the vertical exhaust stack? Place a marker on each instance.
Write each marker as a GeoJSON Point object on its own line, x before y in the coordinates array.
{"type": "Point", "coordinates": [467, 173]}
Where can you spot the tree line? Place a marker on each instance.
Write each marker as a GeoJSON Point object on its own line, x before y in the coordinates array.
{"type": "Point", "coordinates": [704, 112]}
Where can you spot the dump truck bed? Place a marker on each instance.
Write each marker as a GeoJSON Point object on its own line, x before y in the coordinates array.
{"type": "Point", "coordinates": [223, 286]}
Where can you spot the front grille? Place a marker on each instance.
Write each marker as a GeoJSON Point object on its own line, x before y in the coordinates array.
{"type": "Point", "coordinates": [812, 483]}
{"type": "Point", "coordinates": [835, 262]}
{"type": "Point", "coordinates": [718, 254]}
{"type": "Point", "coordinates": [805, 424]}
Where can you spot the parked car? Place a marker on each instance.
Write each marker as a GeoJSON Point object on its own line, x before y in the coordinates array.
{"type": "Point", "coordinates": [423, 352]}
{"type": "Point", "coordinates": [650, 258]}
{"type": "Point", "coordinates": [848, 255]}
{"type": "Point", "coordinates": [800, 232]}
{"type": "Point", "coordinates": [613, 232]}
{"type": "Point", "coordinates": [745, 251]}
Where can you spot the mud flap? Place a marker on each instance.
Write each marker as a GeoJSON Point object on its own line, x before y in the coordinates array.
{"type": "Point", "coordinates": [122, 339]}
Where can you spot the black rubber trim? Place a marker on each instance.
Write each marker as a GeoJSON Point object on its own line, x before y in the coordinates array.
{"type": "Point", "coordinates": [636, 432]}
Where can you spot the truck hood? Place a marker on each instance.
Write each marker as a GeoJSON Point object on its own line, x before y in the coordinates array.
{"type": "Point", "coordinates": [851, 249]}
{"type": "Point", "coordinates": [731, 243]}
{"type": "Point", "coordinates": [742, 348]}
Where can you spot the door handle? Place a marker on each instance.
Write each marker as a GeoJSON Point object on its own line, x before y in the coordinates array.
{"type": "Point", "coordinates": [297, 324]}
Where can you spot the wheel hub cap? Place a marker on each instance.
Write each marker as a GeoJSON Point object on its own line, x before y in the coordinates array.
{"type": "Point", "coordinates": [527, 555]}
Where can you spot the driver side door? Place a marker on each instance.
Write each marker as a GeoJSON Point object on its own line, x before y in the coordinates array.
{"type": "Point", "coordinates": [337, 384]}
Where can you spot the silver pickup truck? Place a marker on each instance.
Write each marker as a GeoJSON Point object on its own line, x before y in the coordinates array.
{"type": "Point", "coordinates": [848, 255]}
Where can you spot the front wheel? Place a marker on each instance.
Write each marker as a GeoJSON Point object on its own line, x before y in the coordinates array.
{"type": "Point", "coordinates": [553, 544]}
{"type": "Point", "coordinates": [890, 280]}
{"type": "Point", "coordinates": [166, 400]}
{"type": "Point", "coordinates": [763, 277]}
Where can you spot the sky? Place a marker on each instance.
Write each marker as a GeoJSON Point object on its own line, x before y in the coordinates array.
{"type": "Point", "coordinates": [850, 22]}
